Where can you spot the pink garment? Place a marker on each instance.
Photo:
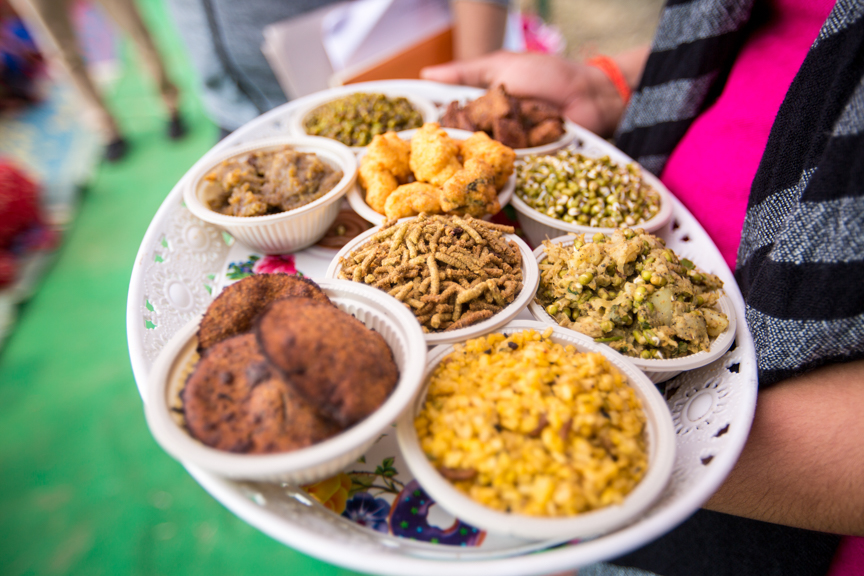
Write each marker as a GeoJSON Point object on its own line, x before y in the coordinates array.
{"type": "Point", "coordinates": [713, 166]}
{"type": "Point", "coordinates": [849, 559]}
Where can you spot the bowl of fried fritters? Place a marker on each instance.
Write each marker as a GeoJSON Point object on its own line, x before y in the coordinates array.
{"type": "Point", "coordinates": [527, 125]}
{"type": "Point", "coordinates": [284, 379]}
{"type": "Point", "coordinates": [433, 170]}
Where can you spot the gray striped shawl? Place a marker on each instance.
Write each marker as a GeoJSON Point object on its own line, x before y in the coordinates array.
{"type": "Point", "coordinates": [801, 258]}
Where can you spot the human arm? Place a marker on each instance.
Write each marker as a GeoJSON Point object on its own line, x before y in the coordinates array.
{"type": "Point", "coordinates": [803, 463]}
{"type": "Point", "coordinates": [478, 28]}
{"type": "Point", "coordinates": [585, 94]}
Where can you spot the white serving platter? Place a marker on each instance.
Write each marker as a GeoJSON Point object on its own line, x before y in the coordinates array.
{"type": "Point", "coordinates": [182, 264]}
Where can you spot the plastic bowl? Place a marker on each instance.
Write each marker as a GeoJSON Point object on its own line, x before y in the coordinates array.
{"type": "Point", "coordinates": [661, 457]}
{"type": "Point", "coordinates": [297, 122]}
{"type": "Point", "coordinates": [657, 370]}
{"type": "Point", "coordinates": [530, 280]}
{"type": "Point", "coordinates": [357, 198]}
{"type": "Point", "coordinates": [538, 226]}
{"type": "Point", "coordinates": [376, 310]}
{"type": "Point", "coordinates": [287, 231]}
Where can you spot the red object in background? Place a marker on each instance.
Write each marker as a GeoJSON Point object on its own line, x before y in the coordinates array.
{"type": "Point", "coordinates": [19, 203]}
{"type": "Point", "coordinates": [22, 229]}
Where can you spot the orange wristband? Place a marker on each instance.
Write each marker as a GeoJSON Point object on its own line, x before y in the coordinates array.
{"type": "Point", "coordinates": [613, 71]}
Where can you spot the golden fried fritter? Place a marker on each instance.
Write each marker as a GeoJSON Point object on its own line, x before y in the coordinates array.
{"type": "Point", "coordinates": [342, 368]}
{"type": "Point", "coordinates": [434, 155]}
{"type": "Point", "coordinates": [389, 152]}
{"type": "Point", "coordinates": [235, 400]}
{"type": "Point", "coordinates": [471, 190]}
{"type": "Point", "coordinates": [501, 158]}
{"type": "Point", "coordinates": [235, 309]}
{"type": "Point", "coordinates": [384, 167]}
{"type": "Point", "coordinates": [412, 199]}
{"type": "Point", "coordinates": [379, 184]}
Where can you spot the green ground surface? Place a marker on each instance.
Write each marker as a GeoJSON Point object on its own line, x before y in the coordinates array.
{"type": "Point", "coordinates": [84, 489]}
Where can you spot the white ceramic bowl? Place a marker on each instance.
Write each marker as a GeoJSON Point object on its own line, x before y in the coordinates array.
{"type": "Point", "coordinates": [657, 370]}
{"type": "Point", "coordinates": [376, 310]}
{"type": "Point", "coordinates": [297, 122]}
{"type": "Point", "coordinates": [538, 226]}
{"type": "Point", "coordinates": [661, 457]}
{"type": "Point", "coordinates": [287, 231]}
{"type": "Point", "coordinates": [357, 197]}
{"type": "Point", "coordinates": [530, 280]}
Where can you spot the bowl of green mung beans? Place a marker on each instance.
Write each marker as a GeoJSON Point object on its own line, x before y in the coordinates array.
{"type": "Point", "coordinates": [354, 118]}
{"type": "Point", "coordinates": [570, 192]}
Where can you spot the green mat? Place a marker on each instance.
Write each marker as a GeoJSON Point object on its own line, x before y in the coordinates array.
{"type": "Point", "coordinates": [84, 489]}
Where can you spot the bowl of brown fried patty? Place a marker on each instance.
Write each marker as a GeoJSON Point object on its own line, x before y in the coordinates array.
{"type": "Point", "coordinates": [284, 379]}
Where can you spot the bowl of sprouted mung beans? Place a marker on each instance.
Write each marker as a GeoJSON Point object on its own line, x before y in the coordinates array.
{"type": "Point", "coordinates": [629, 291]}
{"type": "Point", "coordinates": [538, 432]}
{"type": "Point", "coordinates": [569, 192]}
{"type": "Point", "coordinates": [354, 118]}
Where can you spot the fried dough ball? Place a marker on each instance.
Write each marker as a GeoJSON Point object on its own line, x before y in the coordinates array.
{"type": "Point", "coordinates": [379, 184]}
{"type": "Point", "coordinates": [235, 309]}
{"type": "Point", "coordinates": [389, 152]}
{"type": "Point", "coordinates": [412, 199]}
{"type": "Point", "coordinates": [342, 368]}
{"type": "Point", "coordinates": [471, 190]}
{"type": "Point", "coordinates": [384, 167]}
{"type": "Point", "coordinates": [434, 155]}
{"type": "Point", "coordinates": [236, 401]}
{"type": "Point", "coordinates": [500, 157]}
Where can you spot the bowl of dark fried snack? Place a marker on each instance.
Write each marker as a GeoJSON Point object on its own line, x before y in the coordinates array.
{"type": "Point", "coordinates": [285, 379]}
{"type": "Point", "coordinates": [459, 276]}
{"type": "Point", "coordinates": [433, 170]}
{"type": "Point", "coordinates": [275, 195]}
{"type": "Point", "coordinates": [527, 125]}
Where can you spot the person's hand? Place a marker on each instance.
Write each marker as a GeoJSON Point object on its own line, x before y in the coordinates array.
{"type": "Point", "coordinates": [584, 94]}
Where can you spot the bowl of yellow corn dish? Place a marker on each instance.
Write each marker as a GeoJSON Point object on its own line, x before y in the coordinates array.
{"type": "Point", "coordinates": [627, 290]}
{"type": "Point", "coordinates": [538, 432]}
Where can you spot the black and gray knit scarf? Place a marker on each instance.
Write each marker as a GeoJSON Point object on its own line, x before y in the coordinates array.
{"type": "Point", "coordinates": [801, 259]}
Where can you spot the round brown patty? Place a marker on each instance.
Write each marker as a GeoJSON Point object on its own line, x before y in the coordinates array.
{"type": "Point", "coordinates": [341, 367]}
{"type": "Point", "coordinates": [236, 401]}
{"type": "Point", "coordinates": [235, 309]}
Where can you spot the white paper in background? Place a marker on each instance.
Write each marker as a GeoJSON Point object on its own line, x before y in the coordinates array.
{"type": "Point", "coordinates": [366, 30]}
{"type": "Point", "coordinates": [514, 39]}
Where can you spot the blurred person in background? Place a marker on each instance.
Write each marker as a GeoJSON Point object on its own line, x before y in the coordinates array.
{"type": "Point", "coordinates": [21, 64]}
{"type": "Point", "coordinates": [54, 31]}
{"type": "Point", "coordinates": [752, 113]}
{"type": "Point", "coordinates": [224, 40]}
